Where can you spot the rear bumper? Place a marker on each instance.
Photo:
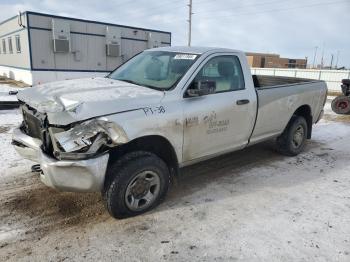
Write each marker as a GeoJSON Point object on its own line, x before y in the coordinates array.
{"type": "Point", "coordinates": [65, 175]}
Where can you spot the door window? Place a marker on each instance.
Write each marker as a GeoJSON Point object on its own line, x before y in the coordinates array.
{"type": "Point", "coordinates": [224, 73]}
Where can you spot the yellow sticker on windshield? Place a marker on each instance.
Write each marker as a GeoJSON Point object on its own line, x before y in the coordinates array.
{"type": "Point", "coordinates": [185, 56]}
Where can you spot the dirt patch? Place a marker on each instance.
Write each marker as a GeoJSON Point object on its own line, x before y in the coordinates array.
{"type": "Point", "coordinates": [4, 129]}
{"type": "Point", "coordinates": [337, 118]}
{"type": "Point", "coordinates": [334, 93]}
{"type": "Point", "coordinates": [11, 82]}
{"type": "Point", "coordinates": [38, 210]}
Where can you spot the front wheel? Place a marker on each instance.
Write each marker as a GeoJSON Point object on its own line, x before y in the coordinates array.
{"type": "Point", "coordinates": [292, 141]}
{"type": "Point", "coordinates": [135, 184]}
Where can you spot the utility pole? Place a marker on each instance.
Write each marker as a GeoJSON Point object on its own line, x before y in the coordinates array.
{"type": "Point", "coordinates": [313, 62]}
{"type": "Point", "coordinates": [336, 61]}
{"type": "Point", "coordinates": [189, 22]}
{"type": "Point", "coordinates": [332, 56]}
{"type": "Point", "coordinates": [322, 56]}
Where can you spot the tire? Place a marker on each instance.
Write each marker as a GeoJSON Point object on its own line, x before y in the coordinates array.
{"type": "Point", "coordinates": [346, 81]}
{"type": "Point", "coordinates": [341, 105]}
{"type": "Point", "coordinates": [135, 184]}
{"type": "Point", "coordinates": [293, 139]}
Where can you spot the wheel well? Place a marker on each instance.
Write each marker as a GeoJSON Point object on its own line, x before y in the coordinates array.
{"type": "Point", "coordinates": [305, 111]}
{"type": "Point", "coordinates": [157, 145]}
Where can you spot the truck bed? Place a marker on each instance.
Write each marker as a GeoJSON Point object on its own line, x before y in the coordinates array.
{"type": "Point", "coordinates": [279, 97]}
{"type": "Point", "coordinates": [264, 81]}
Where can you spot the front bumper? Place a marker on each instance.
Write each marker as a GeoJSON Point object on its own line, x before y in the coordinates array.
{"type": "Point", "coordinates": [65, 175]}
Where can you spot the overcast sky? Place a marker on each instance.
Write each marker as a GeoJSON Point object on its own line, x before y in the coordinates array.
{"type": "Point", "coordinates": [290, 28]}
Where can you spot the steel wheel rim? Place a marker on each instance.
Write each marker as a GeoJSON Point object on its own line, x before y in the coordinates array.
{"type": "Point", "coordinates": [142, 190]}
{"type": "Point", "coordinates": [342, 104]}
{"type": "Point", "coordinates": [298, 136]}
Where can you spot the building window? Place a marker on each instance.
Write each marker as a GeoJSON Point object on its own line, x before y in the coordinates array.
{"type": "Point", "coordinates": [18, 43]}
{"type": "Point", "coordinates": [4, 46]}
{"type": "Point", "coordinates": [10, 45]}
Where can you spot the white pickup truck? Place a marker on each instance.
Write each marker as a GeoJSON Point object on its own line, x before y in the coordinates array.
{"type": "Point", "coordinates": [127, 134]}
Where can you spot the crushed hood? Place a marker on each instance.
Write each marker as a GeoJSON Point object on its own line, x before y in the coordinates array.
{"type": "Point", "coordinates": [69, 101]}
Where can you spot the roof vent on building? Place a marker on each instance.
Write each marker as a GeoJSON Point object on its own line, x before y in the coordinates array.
{"type": "Point", "coordinates": [61, 36]}
{"type": "Point", "coordinates": [153, 40]}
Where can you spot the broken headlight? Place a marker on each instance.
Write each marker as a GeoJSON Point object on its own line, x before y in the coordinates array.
{"type": "Point", "coordinates": [49, 106]}
{"type": "Point", "coordinates": [88, 137]}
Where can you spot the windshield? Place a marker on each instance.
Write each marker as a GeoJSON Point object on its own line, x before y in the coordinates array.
{"type": "Point", "coordinates": [155, 69]}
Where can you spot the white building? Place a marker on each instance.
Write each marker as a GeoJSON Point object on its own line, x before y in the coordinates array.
{"type": "Point", "coordinates": [37, 48]}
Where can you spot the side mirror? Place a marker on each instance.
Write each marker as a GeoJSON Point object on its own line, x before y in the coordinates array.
{"type": "Point", "coordinates": [201, 88]}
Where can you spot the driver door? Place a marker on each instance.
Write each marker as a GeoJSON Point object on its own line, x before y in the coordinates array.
{"type": "Point", "coordinates": [223, 120]}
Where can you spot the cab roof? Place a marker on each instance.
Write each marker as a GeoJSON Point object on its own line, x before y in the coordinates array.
{"type": "Point", "coordinates": [193, 49]}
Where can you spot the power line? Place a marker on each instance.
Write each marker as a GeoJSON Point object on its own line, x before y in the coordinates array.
{"type": "Point", "coordinates": [172, 4]}
{"type": "Point", "coordinates": [258, 12]}
{"type": "Point", "coordinates": [137, 2]}
{"type": "Point", "coordinates": [243, 6]}
{"type": "Point", "coordinates": [177, 3]}
{"type": "Point", "coordinates": [274, 10]}
{"type": "Point", "coordinates": [182, 5]}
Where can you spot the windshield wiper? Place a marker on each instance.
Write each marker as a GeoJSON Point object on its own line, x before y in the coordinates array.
{"type": "Point", "coordinates": [139, 84]}
{"type": "Point", "coordinates": [128, 81]}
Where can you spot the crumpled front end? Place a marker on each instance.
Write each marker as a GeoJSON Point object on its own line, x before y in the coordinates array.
{"type": "Point", "coordinates": [73, 157]}
{"type": "Point", "coordinates": [86, 139]}
{"type": "Point", "coordinates": [65, 175]}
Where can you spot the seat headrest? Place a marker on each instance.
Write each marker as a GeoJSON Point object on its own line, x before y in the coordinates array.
{"type": "Point", "coordinates": [226, 68]}
{"type": "Point", "coordinates": [179, 66]}
{"type": "Point", "coordinates": [153, 71]}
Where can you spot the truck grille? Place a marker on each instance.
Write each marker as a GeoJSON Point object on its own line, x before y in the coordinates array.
{"type": "Point", "coordinates": [32, 124]}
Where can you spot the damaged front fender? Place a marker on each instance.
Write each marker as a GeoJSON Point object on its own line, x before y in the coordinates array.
{"type": "Point", "coordinates": [87, 139]}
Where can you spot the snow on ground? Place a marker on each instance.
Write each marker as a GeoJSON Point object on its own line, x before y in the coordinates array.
{"type": "Point", "coordinates": [252, 205]}
{"type": "Point", "coordinates": [9, 159]}
{"type": "Point", "coordinates": [4, 92]}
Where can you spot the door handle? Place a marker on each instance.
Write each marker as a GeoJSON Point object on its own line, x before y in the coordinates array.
{"type": "Point", "coordinates": [242, 102]}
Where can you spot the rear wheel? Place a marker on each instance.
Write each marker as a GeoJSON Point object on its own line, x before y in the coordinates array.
{"type": "Point", "coordinates": [341, 105]}
{"type": "Point", "coordinates": [135, 184]}
{"type": "Point", "coordinates": [293, 139]}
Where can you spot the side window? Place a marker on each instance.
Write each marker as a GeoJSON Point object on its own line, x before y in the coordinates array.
{"type": "Point", "coordinates": [10, 45]}
{"type": "Point", "coordinates": [18, 43]}
{"type": "Point", "coordinates": [222, 72]}
{"type": "Point", "coordinates": [4, 46]}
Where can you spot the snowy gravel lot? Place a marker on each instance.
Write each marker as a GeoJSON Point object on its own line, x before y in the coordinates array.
{"type": "Point", "coordinates": [4, 92]}
{"type": "Point", "coordinates": [252, 205]}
